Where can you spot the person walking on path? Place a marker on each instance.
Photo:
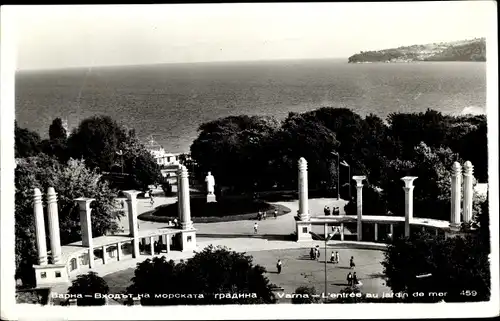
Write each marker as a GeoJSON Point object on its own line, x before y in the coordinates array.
{"type": "Point", "coordinates": [175, 222]}
{"type": "Point", "coordinates": [325, 210]}
{"type": "Point", "coordinates": [275, 213]}
{"type": "Point", "coordinates": [317, 252]}
{"type": "Point", "coordinates": [352, 265]}
{"type": "Point", "coordinates": [354, 279]}
{"type": "Point", "coordinates": [312, 253]}
{"type": "Point", "coordinates": [278, 266]}
{"type": "Point", "coordinates": [264, 215]}
{"type": "Point", "coordinates": [349, 279]}
{"type": "Point", "coordinates": [332, 257]}
{"type": "Point", "coordinates": [255, 228]}
{"type": "Point", "coordinates": [259, 216]}
{"type": "Point", "coordinates": [337, 258]}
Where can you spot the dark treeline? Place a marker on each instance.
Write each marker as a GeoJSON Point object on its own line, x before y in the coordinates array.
{"type": "Point", "coordinates": [255, 153]}
{"type": "Point", "coordinates": [103, 144]}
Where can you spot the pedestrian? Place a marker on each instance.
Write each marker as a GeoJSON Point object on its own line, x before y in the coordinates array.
{"type": "Point", "coordinates": [337, 258]}
{"type": "Point", "coordinates": [259, 216]}
{"type": "Point", "coordinates": [329, 211]}
{"type": "Point", "coordinates": [332, 257]}
{"type": "Point", "coordinates": [175, 222]}
{"type": "Point", "coordinates": [278, 266]}
{"type": "Point", "coordinates": [349, 279]}
{"type": "Point", "coordinates": [255, 228]}
{"type": "Point", "coordinates": [352, 265]}
{"type": "Point", "coordinates": [275, 213]}
{"type": "Point", "coordinates": [264, 215]}
{"type": "Point", "coordinates": [155, 247]}
{"type": "Point", "coordinates": [317, 253]}
{"type": "Point", "coordinates": [325, 210]}
{"type": "Point", "coordinates": [312, 253]}
{"type": "Point", "coordinates": [354, 279]}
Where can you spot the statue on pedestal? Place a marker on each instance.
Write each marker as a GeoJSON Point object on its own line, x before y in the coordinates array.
{"type": "Point", "coordinates": [210, 180]}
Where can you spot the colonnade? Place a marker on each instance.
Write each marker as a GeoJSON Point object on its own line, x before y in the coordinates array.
{"type": "Point", "coordinates": [460, 209]}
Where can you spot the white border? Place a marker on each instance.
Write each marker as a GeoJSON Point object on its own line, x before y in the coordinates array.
{"type": "Point", "coordinates": [11, 311]}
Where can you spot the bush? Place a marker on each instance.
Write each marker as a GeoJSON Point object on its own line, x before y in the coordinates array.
{"type": "Point", "coordinates": [89, 284]}
{"type": "Point", "coordinates": [305, 294]}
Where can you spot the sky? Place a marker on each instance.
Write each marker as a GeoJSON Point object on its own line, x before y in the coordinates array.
{"type": "Point", "coordinates": [52, 37]}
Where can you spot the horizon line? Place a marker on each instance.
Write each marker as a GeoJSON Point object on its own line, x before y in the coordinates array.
{"type": "Point", "coordinates": [178, 63]}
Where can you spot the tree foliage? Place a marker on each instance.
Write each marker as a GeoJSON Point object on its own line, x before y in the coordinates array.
{"type": "Point", "coordinates": [27, 142]}
{"type": "Point", "coordinates": [235, 274]}
{"type": "Point", "coordinates": [455, 264]}
{"type": "Point", "coordinates": [71, 180]}
{"type": "Point", "coordinates": [106, 145]}
{"type": "Point", "coordinates": [305, 294]}
{"type": "Point", "coordinates": [88, 285]}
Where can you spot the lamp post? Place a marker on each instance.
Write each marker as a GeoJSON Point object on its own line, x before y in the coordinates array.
{"type": "Point", "coordinates": [338, 174]}
{"type": "Point", "coordinates": [344, 163]}
{"type": "Point", "coordinates": [326, 239]}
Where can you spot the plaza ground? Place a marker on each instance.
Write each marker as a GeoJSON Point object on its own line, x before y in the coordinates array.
{"type": "Point", "coordinates": [300, 270]}
{"type": "Point", "coordinates": [272, 242]}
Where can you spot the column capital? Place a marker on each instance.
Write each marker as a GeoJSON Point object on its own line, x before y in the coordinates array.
{"type": "Point", "coordinates": [51, 195]}
{"type": "Point", "coordinates": [359, 180]}
{"type": "Point", "coordinates": [302, 164]}
{"type": "Point", "coordinates": [456, 169]}
{"type": "Point", "coordinates": [409, 181]}
{"type": "Point", "coordinates": [183, 172]}
{"type": "Point", "coordinates": [84, 202]}
{"type": "Point", "coordinates": [468, 168]}
{"type": "Point", "coordinates": [37, 195]}
{"type": "Point", "coordinates": [131, 194]}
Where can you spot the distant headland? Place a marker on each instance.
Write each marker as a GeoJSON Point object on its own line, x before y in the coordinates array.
{"type": "Point", "coordinates": [463, 50]}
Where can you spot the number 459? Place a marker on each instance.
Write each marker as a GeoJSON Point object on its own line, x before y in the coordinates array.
{"type": "Point", "coordinates": [468, 293]}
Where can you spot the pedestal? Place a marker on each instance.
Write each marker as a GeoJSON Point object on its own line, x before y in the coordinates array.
{"type": "Point", "coordinates": [188, 240]}
{"type": "Point", "coordinates": [303, 229]}
{"type": "Point", "coordinates": [211, 198]}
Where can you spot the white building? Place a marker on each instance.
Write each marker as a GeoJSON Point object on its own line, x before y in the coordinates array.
{"type": "Point", "coordinates": [162, 158]}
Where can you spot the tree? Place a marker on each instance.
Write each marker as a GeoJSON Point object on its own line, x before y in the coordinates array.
{"type": "Point", "coordinates": [100, 139]}
{"type": "Point", "coordinates": [27, 142]}
{"type": "Point", "coordinates": [71, 180]}
{"type": "Point", "coordinates": [96, 140]}
{"type": "Point", "coordinates": [235, 275]}
{"type": "Point", "coordinates": [431, 194]}
{"type": "Point", "coordinates": [228, 145]}
{"type": "Point", "coordinates": [305, 294]}
{"type": "Point", "coordinates": [88, 285]}
{"type": "Point", "coordinates": [448, 265]}
{"type": "Point", "coordinates": [57, 130]}
{"type": "Point", "coordinates": [57, 144]}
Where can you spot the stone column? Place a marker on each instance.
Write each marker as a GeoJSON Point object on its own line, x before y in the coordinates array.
{"type": "Point", "coordinates": [341, 231]}
{"type": "Point", "coordinates": [408, 188]}
{"type": "Point", "coordinates": [132, 220]}
{"type": "Point", "coordinates": [468, 191]}
{"type": "Point", "coordinates": [86, 225]}
{"type": "Point", "coordinates": [104, 257]}
{"type": "Point", "coordinates": [40, 227]}
{"type": "Point", "coordinates": [152, 245]}
{"type": "Point", "coordinates": [303, 191]}
{"type": "Point", "coordinates": [118, 251]}
{"type": "Point", "coordinates": [456, 189]}
{"type": "Point", "coordinates": [376, 232]}
{"type": "Point", "coordinates": [359, 204]}
{"type": "Point", "coordinates": [326, 230]}
{"type": "Point", "coordinates": [186, 223]}
{"type": "Point", "coordinates": [179, 196]}
{"type": "Point", "coordinates": [55, 238]}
